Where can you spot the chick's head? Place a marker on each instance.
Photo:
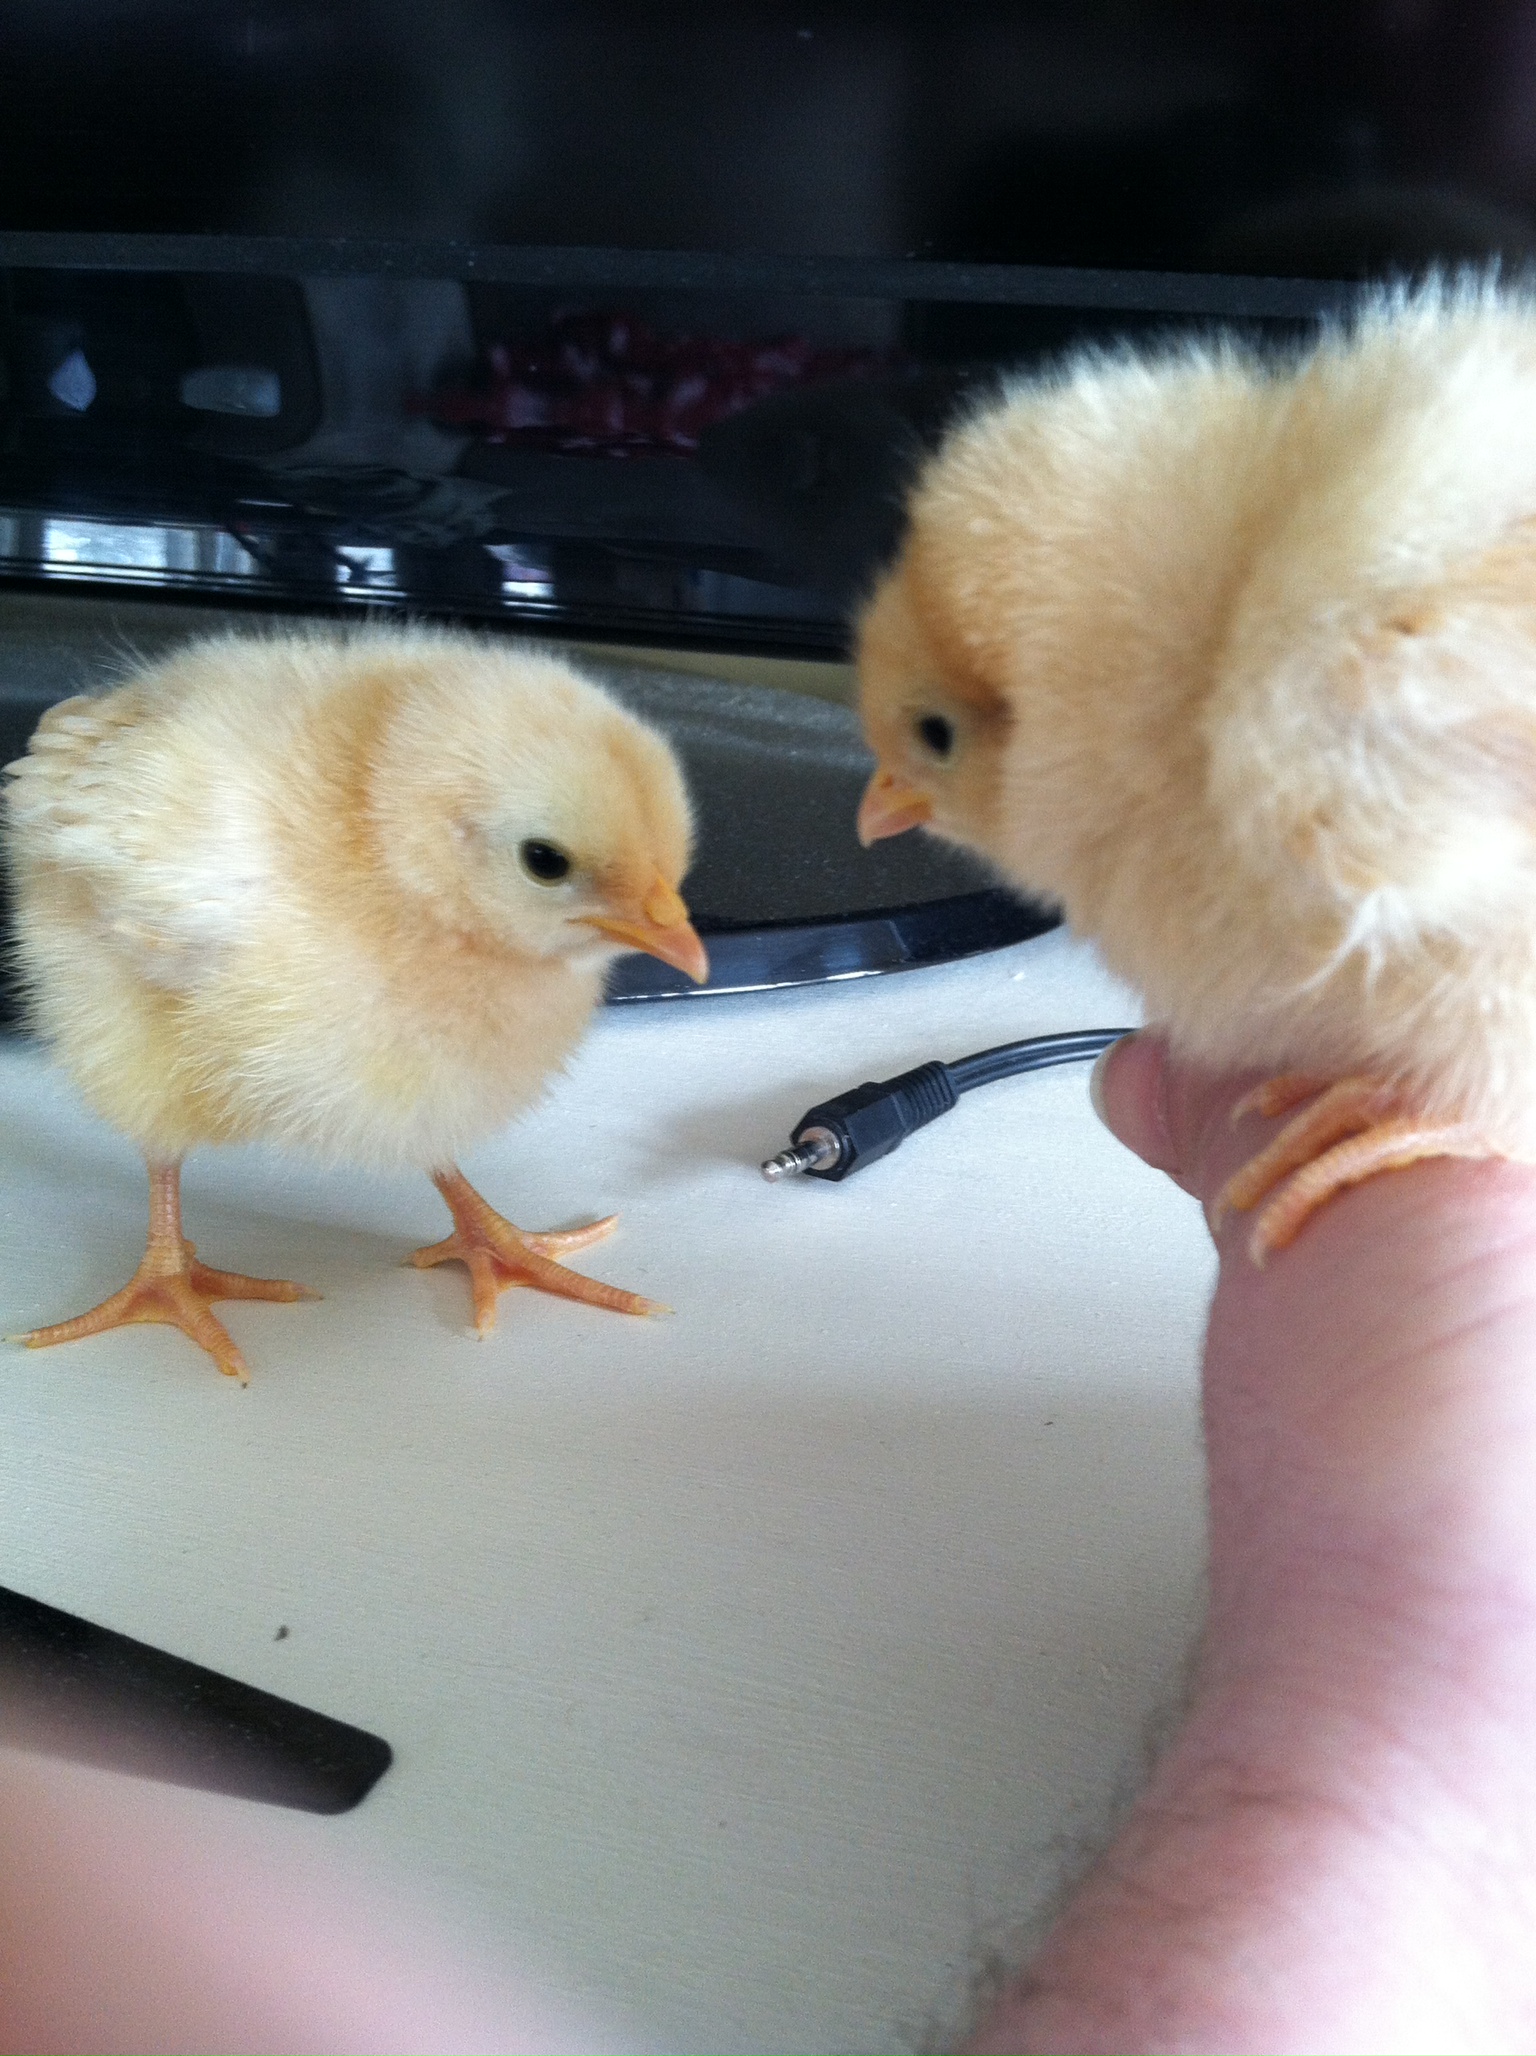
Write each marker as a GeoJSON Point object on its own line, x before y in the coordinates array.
{"type": "Point", "coordinates": [937, 729]}
{"type": "Point", "coordinates": [518, 804]}
{"type": "Point", "coordinates": [1033, 664]}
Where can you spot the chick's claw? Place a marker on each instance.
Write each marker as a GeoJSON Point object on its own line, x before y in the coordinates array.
{"type": "Point", "coordinates": [1276, 1096]}
{"type": "Point", "coordinates": [1351, 1131]}
{"type": "Point", "coordinates": [497, 1255]}
{"type": "Point", "coordinates": [551, 1241]}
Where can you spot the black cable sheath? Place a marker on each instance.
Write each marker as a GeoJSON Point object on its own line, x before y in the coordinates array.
{"type": "Point", "coordinates": [1037, 1054]}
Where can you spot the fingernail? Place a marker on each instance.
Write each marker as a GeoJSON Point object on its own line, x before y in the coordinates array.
{"type": "Point", "coordinates": [1097, 1076]}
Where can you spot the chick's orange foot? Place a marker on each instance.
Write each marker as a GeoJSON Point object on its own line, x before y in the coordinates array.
{"type": "Point", "coordinates": [497, 1255]}
{"type": "Point", "coordinates": [1351, 1131]}
{"type": "Point", "coordinates": [171, 1286]}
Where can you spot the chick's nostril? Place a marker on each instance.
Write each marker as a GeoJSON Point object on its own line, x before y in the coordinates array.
{"type": "Point", "coordinates": [665, 906]}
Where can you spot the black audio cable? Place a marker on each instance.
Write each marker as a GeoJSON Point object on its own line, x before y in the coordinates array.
{"type": "Point", "coordinates": [859, 1127]}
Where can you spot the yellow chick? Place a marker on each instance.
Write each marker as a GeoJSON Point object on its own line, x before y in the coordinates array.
{"type": "Point", "coordinates": [1234, 658]}
{"type": "Point", "coordinates": [351, 893]}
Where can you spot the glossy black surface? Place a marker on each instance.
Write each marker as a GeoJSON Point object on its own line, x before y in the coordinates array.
{"type": "Point", "coordinates": [856, 945]}
{"type": "Point", "coordinates": [460, 443]}
{"type": "Point", "coordinates": [70, 1688]}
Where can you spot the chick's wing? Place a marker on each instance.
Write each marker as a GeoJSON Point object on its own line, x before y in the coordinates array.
{"type": "Point", "coordinates": [1381, 757]}
{"type": "Point", "coordinates": [120, 829]}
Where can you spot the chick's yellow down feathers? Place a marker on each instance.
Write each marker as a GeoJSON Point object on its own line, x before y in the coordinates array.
{"type": "Point", "coordinates": [351, 893]}
{"type": "Point", "coordinates": [1234, 658]}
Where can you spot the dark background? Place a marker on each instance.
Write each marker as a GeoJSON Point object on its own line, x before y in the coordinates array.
{"type": "Point", "coordinates": [1303, 137]}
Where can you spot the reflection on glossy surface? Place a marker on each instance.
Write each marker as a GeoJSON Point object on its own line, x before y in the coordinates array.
{"type": "Point", "coordinates": [473, 448]}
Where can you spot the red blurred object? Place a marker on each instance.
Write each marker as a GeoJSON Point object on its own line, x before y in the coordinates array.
{"type": "Point", "coordinates": [607, 385]}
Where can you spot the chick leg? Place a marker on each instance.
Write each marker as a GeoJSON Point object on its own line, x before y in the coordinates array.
{"type": "Point", "coordinates": [1349, 1133]}
{"type": "Point", "coordinates": [170, 1285]}
{"type": "Point", "coordinates": [497, 1255]}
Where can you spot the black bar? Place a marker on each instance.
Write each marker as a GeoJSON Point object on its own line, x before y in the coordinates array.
{"type": "Point", "coordinates": [71, 1689]}
{"type": "Point", "coordinates": [685, 271]}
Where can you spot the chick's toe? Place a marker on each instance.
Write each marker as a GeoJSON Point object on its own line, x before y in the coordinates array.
{"type": "Point", "coordinates": [1276, 1096]}
{"type": "Point", "coordinates": [497, 1255]}
{"type": "Point", "coordinates": [1351, 1131]}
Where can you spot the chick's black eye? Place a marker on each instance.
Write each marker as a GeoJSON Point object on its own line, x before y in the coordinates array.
{"type": "Point", "coordinates": [936, 734]}
{"type": "Point", "coordinates": [545, 861]}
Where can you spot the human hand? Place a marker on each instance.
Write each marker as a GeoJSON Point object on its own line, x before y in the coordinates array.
{"type": "Point", "coordinates": [1339, 1848]}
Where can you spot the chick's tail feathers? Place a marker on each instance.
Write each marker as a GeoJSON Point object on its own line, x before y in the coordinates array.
{"type": "Point", "coordinates": [497, 1255]}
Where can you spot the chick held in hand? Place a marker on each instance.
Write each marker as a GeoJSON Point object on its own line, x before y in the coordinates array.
{"type": "Point", "coordinates": [352, 894]}
{"type": "Point", "coordinates": [1234, 659]}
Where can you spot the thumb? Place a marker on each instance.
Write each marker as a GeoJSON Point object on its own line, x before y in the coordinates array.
{"type": "Point", "coordinates": [1174, 1116]}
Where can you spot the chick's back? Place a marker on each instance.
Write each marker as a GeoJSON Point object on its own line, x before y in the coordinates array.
{"type": "Point", "coordinates": [217, 920]}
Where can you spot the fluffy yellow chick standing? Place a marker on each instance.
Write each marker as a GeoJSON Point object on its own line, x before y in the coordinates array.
{"type": "Point", "coordinates": [1235, 660]}
{"type": "Point", "coordinates": [354, 894]}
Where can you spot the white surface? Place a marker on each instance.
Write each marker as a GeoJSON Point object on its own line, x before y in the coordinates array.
{"type": "Point", "coordinates": [761, 1668]}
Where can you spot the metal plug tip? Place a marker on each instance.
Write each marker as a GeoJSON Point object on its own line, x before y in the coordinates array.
{"type": "Point", "coordinates": [816, 1150]}
{"type": "Point", "coordinates": [789, 1163]}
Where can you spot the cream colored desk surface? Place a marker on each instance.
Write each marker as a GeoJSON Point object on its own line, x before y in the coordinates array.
{"type": "Point", "coordinates": [764, 1668]}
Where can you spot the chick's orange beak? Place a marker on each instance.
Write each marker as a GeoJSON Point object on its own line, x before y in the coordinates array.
{"type": "Point", "coordinates": [891, 807]}
{"type": "Point", "coordinates": [659, 926]}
